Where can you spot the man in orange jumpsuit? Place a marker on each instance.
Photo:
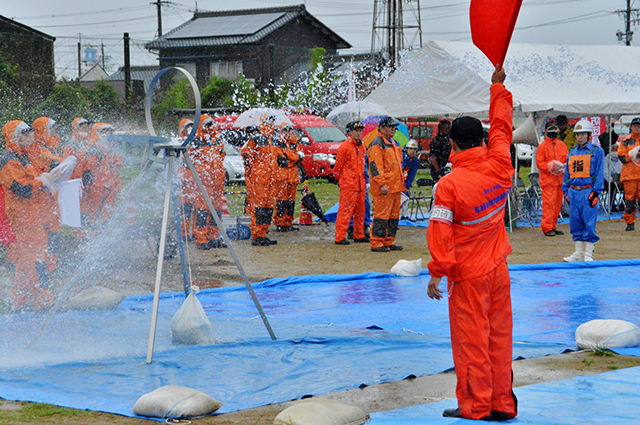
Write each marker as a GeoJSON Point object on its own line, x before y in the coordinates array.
{"type": "Point", "coordinates": [251, 131]}
{"type": "Point", "coordinates": [100, 177]}
{"type": "Point", "coordinates": [387, 184]}
{"type": "Point", "coordinates": [260, 158]}
{"type": "Point", "coordinates": [42, 154]}
{"type": "Point", "coordinates": [469, 244]}
{"type": "Point", "coordinates": [630, 176]}
{"type": "Point", "coordinates": [286, 177]}
{"type": "Point", "coordinates": [79, 139]}
{"type": "Point", "coordinates": [349, 171]}
{"type": "Point", "coordinates": [207, 154]}
{"type": "Point", "coordinates": [25, 196]}
{"type": "Point", "coordinates": [550, 157]}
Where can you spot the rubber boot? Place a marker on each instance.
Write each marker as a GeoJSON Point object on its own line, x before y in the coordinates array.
{"type": "Point", "coordinates": [579, 254]}
{"type": "Point", "coordinates": [588, 251]}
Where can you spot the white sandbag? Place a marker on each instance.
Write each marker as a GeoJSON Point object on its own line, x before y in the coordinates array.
{"type": "Point", "coordinates": [173, 401]}
{"type": "Point", "coordinates": [96, 298]}
{"type": "Point", "coordinates": [190, 324]}
{"type": "Point", "coordinates": [600, 334]}
{"type": "Point", "coordinates": [407, 268]}
{"type": "Point", "coordinates": [319, 411]}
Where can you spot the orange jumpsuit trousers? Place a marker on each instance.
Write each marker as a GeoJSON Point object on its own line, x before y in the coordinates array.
{"type": "Point", "coordinates": [351, 205]}
{"type": "Point", "coordinates": [473, 306]}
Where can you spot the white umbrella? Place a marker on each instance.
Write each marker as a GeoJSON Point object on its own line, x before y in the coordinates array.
{"type": "Point", "coordinates": [343, 114]}
{"type": "Point", "coordinates": [252, 117]}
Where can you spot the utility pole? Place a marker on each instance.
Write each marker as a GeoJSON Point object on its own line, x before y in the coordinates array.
{"type": "Point", "coordinates": [159, 4]}
{"type": "Point", "coordinates": [127, 71]}
{"type": "Point", "coordinates": [102, 52]}
{"type": "Point", "coordinates": [79, 56]}
{"type": "Point", "coordinates": [629, 15]}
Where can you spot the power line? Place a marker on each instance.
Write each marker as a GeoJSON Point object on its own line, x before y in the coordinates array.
{"type": "Point", "coordinates": [122, 9]}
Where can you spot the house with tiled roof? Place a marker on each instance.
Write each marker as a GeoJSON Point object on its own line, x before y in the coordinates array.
{"type": "Point", "coordinates": [263, 44]}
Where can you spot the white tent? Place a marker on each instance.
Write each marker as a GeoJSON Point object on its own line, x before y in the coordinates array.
{"type": "Point", "coordinates": [452, 78]}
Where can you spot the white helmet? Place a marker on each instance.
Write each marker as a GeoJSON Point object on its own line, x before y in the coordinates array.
{"type": "Point", "coordinates": [583, 126]}
{"type": "Point", "coordinates": [411, 144]}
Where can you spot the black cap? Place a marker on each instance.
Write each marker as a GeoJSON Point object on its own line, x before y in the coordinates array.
{"type": "Point", "coordinates": [466, 128]}
{"type": "Point", "coordinates": [561, 119]}
{"type": "Point", "coordinates": [551, 127]}
{"type": "Point", "coordinates": [636, 120]}
{"type": "Point", "coordinates": [386, 121]}
{"type": "Point", "coordinates": [354, 125]}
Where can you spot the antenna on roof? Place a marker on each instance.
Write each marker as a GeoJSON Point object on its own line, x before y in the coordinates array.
{"type": "Point", "coordinates": [196, 7]}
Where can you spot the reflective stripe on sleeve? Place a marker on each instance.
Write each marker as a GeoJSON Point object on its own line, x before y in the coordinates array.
{"type": "Point", "coordinates": [442, 214]}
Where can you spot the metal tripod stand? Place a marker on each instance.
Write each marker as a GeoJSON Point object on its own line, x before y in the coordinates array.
{"type": "Point", "coordinates": [172, 151]}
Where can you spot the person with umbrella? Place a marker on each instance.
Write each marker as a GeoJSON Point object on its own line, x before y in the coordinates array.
{"type": "Point", "coordinates": [349, 171]}
{"type": "Point", "coordinates": [387, 183]}
{"type": "Point", "coordinates": [260, 158]}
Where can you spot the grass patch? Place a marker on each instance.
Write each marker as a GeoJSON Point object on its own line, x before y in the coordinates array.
{"type": "Point", "coordinates": [603, 352]}
{"type": "Point", "coordinates": [30, 412]}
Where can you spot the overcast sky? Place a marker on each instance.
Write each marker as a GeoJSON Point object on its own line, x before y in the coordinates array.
{"type": "Point", "coordinates": [100, 23]}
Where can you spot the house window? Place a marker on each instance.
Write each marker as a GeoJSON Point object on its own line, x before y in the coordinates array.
{"type": "Point", "coordinates": [227, 70]}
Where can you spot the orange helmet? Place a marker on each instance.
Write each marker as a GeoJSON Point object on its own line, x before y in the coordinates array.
{"type": "Point", "coordinates": [43, 127]}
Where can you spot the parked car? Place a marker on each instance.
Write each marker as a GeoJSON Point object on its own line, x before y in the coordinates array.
{"type": "Point", "coordinates": [320, 141]}
{"type": "Point", "coordinates": [233, 166]}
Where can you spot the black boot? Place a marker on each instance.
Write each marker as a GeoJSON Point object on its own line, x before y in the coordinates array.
{"type": "Point", "coordinates": [260, 242]}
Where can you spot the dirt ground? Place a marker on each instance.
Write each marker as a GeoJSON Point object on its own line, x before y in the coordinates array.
{"type": "Point", "coordinates": [312, 251]}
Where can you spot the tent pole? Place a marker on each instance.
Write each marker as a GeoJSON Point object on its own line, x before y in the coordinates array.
{"type": "Point", "coordinates": [236, 260]}
{"type": "Point", "coordinates": [183, 261]}
{"type": "Point", "coordinates": [608, 208]}
{"type": "Point", "coordinates": [163, 239]}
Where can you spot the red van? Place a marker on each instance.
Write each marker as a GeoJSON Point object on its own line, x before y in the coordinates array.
{"type": "Point", "coordinates": [320, 141]}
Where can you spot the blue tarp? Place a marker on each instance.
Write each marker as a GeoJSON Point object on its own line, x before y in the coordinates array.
{"type": "Point", "coordinates": [334, 332]}
{"type": "Point", "coordinates": [610, 398]}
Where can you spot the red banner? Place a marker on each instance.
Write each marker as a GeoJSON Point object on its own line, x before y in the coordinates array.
{"type": "Point", "coordinates": [492, 23]}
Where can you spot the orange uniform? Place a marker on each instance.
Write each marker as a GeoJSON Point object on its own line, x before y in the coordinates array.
{"type": "Point", "coordinates": [286, 178]}
{"type": "Point", "coordinates": [207, 154]}
{"type": "Point", "coordinates": [79, 139]}
{"type": "Point", "coordinates": [551, 181]}
{"type": "Point", "coordinates": [24, 200]}
{"type": "Point", "coordinates": [469, 244]}
{"type": "Point", "coordinates": [630, 177]}
{"type": "Point", "coordinates": [385, 169]}
{"type": "Point", "coordinates": [260, 159]}
{"type": "Point", "coordinates": [349, 171]}
{"type": "Point", "coordinates": [100, 179]}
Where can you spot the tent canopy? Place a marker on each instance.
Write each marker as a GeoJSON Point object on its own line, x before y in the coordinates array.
{"type": "Point", "coordinates": [452, 78]}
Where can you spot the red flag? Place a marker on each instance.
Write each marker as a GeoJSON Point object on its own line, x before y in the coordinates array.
{"type": "Point", "coordinates": [492, 23]}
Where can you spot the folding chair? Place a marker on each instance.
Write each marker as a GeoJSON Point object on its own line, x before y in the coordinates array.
{"type": "Point", "coordinates": [420, 202]}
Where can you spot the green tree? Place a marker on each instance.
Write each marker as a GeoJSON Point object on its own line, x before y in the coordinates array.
{"type": "Point", "coordinates": [217, 93]}
{"type": "Point", "coordinates": [244, 93]}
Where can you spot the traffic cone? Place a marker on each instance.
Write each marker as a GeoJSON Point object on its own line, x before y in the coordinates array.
{"type": "Point", "coordinates": [225, 207]}
{"type": "Point", "coordinates": [306, 218]}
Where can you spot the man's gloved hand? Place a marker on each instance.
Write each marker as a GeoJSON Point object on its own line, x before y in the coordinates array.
{"type": "Point", "coordinates": [442, 171]}
{"type": "Point", "coordinates": [593, 199]}
{"type": "Point", "coordinates": [282, 161]}
{"type": "Point", "coordinates": [301, 154]}
{"type": "Point", "coordinates": [45, 179]}
{"type": "Point", "coordinates": [566, 198]}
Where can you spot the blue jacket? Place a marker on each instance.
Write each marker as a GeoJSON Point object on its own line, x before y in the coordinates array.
{"type": "Point", "coordinates": [596, 172]}
{"type": "Point", "coordinates": [409, 166]}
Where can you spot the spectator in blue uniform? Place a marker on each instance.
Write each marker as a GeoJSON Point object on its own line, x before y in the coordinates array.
{"type": "Point", "coordinates": [410, 164]}
{"type": "Point", "coordinates": [583, 182]}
